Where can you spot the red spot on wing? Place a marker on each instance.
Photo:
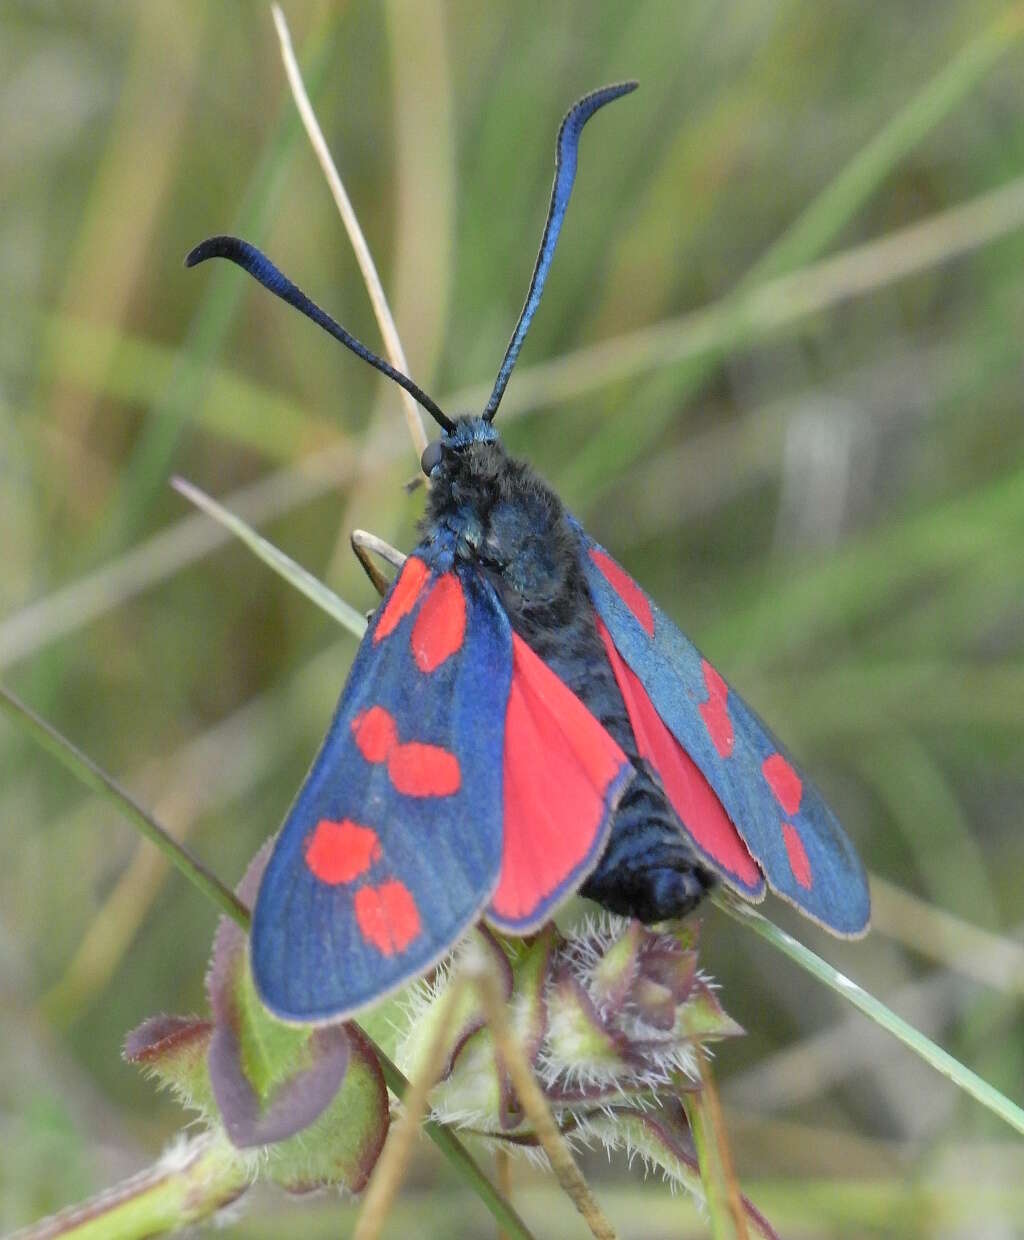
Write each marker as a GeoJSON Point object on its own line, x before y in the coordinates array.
{"type": "Point", "coordinates": [418, 770]}
{"type": "Point", "coordinates": [338, 852]}
{"type": "Point", "coordinates": [715, 712]}
{"type": "Point", "coordinates": [799, 862]}
{"type": "Point", "coordinates": [690, 794]}
{"type": "Point", "coordinates": [626, 588]}
{"type": "Point", "coordinates": [403, 597]}
{"type": "Point", "coordinates": [387, 916]}
{"type": "Point", "coordinates": [441, 624]}
{"type": "Point", "coordinates": [783, 781]}
{"type": "Point", "coordinates": [559, 767]}
{"type": "Point", "coordinates": [415, 769]}
{"type": "Point", "coordinates": [376, 733]}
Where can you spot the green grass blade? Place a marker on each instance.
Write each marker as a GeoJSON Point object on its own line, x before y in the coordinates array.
{"type": "Point", "coordinates": [303, 580]}
{"type": "Point", "coordinates": [875, 1010]}
{"type": "Point", "coordinates": [88, 773]}
{"type": "Point", "coordinates": [843, 197]}
{"type": "Point", "coordinates": [717, 1173]}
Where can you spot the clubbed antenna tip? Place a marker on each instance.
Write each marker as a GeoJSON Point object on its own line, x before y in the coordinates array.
{"type": "Point", "coordinates": [566, 149]}
{"type": "Point", "coordinates": [262, 269]}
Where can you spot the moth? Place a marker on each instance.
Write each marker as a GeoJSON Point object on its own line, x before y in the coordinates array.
{"type": "Point", "coordinates": [521, 723]}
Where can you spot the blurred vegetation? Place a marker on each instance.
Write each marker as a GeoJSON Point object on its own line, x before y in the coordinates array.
{"type": "Point", "coordinates": [829, 497]}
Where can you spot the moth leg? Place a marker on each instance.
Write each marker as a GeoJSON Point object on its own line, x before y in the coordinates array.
{"type": "Point", "coordinates": [363, 543]}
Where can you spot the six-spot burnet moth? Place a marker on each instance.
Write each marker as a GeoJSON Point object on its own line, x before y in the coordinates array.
{"type": "Point", "coordinates": [521, 722]}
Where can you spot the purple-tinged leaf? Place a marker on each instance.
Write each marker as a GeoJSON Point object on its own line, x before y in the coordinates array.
{"type": "Point", "coordinates": [166, 1035]}
{"type": "Point", "coordinates": [653, 1003]}
{"type": "Point", "coordinates": [703, 1018]}
{"type": "Point", "coordinates": [672, 967]}
{"type": "Point", "coordinates": [173, 1049]}
{"type": "Point", "coordinates": [342, 1145]}
{"type": "Point", "coordinates": [293, 1106]}
{"type": "Point", "coordinates": [616, 968]}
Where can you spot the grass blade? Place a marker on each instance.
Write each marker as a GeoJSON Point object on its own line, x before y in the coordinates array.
{"type": "Point", "coordinates": [717, 1173]}
{"type": "Point", "coordinates": [88, 773]}
{"type": "Point", "coordinates": [875, 1010]}
{"type": "Point", "coordinates": [303, 580]}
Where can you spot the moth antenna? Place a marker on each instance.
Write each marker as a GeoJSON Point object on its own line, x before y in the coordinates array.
{"type": "Point", "coordinates": [262, 269]}
{"type": "Point", "coordinates": [566, 147]}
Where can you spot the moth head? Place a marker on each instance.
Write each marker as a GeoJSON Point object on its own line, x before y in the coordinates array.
{"type": "Point", "coordinates": [457, 443]}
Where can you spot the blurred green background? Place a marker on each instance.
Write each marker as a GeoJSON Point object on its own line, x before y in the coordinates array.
{"type": "Point", "coordinates": [777, 370]}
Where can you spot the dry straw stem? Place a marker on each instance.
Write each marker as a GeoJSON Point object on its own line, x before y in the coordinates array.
{"type": "Point", "coordinates": [391, 1167]}
{"type": "Point", "coordinates": [388, 330]}
{"type": "Point", "coordinates": [510, 1055]}
{"type": "Point", "coordinates": [365, 545]}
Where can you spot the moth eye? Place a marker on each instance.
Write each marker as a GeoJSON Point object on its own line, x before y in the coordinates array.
{"type": "Point", "coordinates": [431, 457]}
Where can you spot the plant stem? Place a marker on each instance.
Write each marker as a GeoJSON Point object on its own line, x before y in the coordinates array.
{"type": "Point", "coordinates": [391, 1166]}
{"type": "Point", "coordinates": [459, 1157]}
{"type": "Point", "coordinates": [511, 1057]}
{"type": "Point", "coordinates": [381, 309]}
{"type": "Point", "coordinates": [188, 1185]}
{"type": "Point", "coordinates": [717, 1173]}
{"type": "Point", "coordinates": [503, 1170]}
